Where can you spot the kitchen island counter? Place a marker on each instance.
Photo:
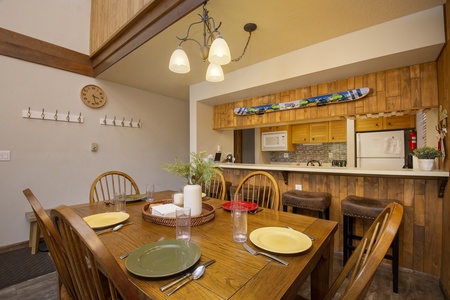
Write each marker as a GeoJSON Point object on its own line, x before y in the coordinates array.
{"type": "Point", "coordinates": [335, 170]}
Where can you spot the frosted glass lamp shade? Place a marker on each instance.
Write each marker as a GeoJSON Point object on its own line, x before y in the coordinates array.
{"type": "Point", "coordinates": [179, 62]}
{"type": "Point", "coordinates": [220, 52]}
{"type": "Point", "coordinates": [214, 73]}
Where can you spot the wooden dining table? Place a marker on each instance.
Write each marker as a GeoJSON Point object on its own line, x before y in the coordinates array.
{"type": "Point", "coordinates": [236, 274]}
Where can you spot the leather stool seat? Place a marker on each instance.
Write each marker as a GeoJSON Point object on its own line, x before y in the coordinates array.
{"type": "Point", "coordinates": [317, 201]}
{"type": "Point", "coordinates": [366, 208]}
{"type": "Point", "coordinates": [363, 207]}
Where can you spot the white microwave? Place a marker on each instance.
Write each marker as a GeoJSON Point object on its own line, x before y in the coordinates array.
{"type": "Point", "coordinates": [274, 141]}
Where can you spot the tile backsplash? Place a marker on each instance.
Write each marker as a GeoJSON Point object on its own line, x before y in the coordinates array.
{"type": "Point", "coordinates": [305, 153]}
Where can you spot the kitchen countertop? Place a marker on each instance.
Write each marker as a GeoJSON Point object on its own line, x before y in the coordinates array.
{"type": "Point", "coordinates": [336, 170]}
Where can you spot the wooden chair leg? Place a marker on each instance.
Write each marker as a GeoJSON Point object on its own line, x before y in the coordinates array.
{"type": "Point", "coordinates": [395, 253]}
{"type": "Point", "coordinates": [348, 232]}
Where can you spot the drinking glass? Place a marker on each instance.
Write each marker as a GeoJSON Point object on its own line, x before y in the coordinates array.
{"type": "Point", "coordinates": [183, 223]}
{"type": "Point", "coordinates": [150, 189]}
{"type": "Point", "coordinates": [240, 214]}
{"type": "Point", "coordinates": [236, 200]}
{"type": "Point", "coordinates": [120, 201]}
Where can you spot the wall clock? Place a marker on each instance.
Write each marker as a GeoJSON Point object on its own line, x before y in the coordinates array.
{"type": "Point", "coordinates": [93, 96]}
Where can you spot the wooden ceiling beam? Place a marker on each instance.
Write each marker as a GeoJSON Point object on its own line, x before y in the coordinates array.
{"type": "Point", "coordinates": [26, 48]}
{"type": "Point", "coordinates": [146, 25]}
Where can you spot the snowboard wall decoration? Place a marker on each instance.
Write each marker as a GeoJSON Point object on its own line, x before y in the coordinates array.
{"type": "Point", "coordinates": [323, 100]}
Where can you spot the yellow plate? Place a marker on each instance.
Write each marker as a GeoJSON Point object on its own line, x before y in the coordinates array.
{"type": "Point", "coordinates": [106, 219]}
{"type": "Point", "coordinates": [280, 240]}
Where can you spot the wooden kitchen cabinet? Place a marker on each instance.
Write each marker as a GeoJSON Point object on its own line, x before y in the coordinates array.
{"type": "Point", "coordinates": [399, 122]}
{"type": "Point", "coordinates": [385, 123]}
{"type": "Point", "coordinates": [318, 132]}
{"type": "Point", "coordinates": [276, 128]}
{"type": "Point", "coordinates": [369, 124]}
{"type": "Point", "coordinates": [338, 131]}
{"type": "Point", "coordinates": [300, 133]}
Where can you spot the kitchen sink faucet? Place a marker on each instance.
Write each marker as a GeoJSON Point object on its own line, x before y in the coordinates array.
{"type": "Point", "coordinates": [312, 163]}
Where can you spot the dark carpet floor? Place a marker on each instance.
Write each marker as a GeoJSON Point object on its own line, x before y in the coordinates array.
{"type": "Point", "coordinates": [20, 265]}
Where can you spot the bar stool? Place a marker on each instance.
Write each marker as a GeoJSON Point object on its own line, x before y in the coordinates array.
{"type": "Point", "coordinates": [367, 208]}
{"type": "Point", "coordinates": [316, 201]}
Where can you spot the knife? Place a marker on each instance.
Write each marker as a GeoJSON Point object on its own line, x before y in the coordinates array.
{"type": "Point", "coordinates": [183, 277]}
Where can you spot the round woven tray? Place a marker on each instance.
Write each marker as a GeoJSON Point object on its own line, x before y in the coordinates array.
{"type": "Point", "coordinates": [206, 216]}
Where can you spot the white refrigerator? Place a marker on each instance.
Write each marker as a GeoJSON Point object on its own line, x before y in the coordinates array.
{"type": "Point", "coordinates": [380, 150]}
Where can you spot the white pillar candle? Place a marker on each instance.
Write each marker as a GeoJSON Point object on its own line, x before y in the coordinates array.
{"type": "Point", "coordinates": [178, 199]}
{"type": "Point", "coordinates": [193, 199]}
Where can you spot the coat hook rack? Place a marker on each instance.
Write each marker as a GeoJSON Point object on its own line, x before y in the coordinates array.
{"type": "Point", "coordinates": [51, 116]}
{"type": "Point", "coordinates": [123, 123]}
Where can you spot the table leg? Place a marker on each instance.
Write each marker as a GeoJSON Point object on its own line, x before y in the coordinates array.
{"type": "Point", "coordinates": [322, 274]}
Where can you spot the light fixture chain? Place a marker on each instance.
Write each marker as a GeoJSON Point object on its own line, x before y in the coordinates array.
{"type": "Point", "coordinates": [245, 49]}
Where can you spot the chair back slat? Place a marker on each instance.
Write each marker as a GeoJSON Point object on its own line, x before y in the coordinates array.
{"type": "Point", "coordinates": [216, 187]}
{"type": "Point", "coordinates": [96, 273]}
{"type": "Point", "coordinates": [261, 188]}
{"type": "Point", "coordinates": [107, 184]}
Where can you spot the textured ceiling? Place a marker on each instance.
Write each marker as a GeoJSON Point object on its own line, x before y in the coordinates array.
{"type": "Point", "coordinates": [283, 26]}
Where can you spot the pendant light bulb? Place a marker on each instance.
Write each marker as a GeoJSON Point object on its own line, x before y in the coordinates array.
{"type": "Point", "coordinates": [179, 62]}
{"type": "Point", "coordinates": [219, 52]}
{"type": "Point", "coordinates": [214, 73]}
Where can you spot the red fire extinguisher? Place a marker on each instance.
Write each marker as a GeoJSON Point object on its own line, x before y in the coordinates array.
{"type": "Point", "coordinates": [412, 140]}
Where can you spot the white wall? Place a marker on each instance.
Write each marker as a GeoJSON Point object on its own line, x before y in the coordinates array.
{"type": "Point", "coordinates": [208, 139]}
{"type": "Point", "coordinates": [65, 22]}
{"type": "Point", "coordinates": [54, 158]}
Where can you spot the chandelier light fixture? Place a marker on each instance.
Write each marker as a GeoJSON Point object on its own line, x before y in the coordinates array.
{"type": "Point", "coordinates": [214, 48]}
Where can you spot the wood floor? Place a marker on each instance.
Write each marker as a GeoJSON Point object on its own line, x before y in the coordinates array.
{"type": "Point", "coordinates": [412, 285]}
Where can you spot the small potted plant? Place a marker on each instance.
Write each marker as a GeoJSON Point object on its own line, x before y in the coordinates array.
{"type": "Point", "coordinates": [198, 171]}
{"type": "Point", "coordinates": [426, 156]}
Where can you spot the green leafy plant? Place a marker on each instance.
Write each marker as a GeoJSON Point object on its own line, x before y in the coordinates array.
{"type": "Point", "coordinates": [426, 153]}
{"type": "Point", "coordinates": [199, 170]}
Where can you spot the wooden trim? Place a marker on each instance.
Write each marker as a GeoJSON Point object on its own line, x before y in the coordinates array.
{"type": "Point", "coordinates": [146, 25]}
{"type": "Point", "coordinates": [12, 247]}
{"type": "Point", "coordinates": [26, 48]}
{"type": "Point", "coordinates": [237, 148]}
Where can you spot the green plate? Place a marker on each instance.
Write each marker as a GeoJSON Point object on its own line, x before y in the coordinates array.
{"type": "Point", "coordinates": [163, 258]}
{"type": "Point", "coordinates": [137, 197]}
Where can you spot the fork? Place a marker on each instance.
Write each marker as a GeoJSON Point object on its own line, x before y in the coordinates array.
{"type": "Point", "coordinates": [310, 236]}
{"type": "Point", "coordinates": [266, 254]}
{"type": "Point", "coordinates": [128, 253]}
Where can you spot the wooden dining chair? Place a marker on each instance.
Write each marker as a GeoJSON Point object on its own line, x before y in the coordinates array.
{"type": "Point", "coordinates": [362, 265]}
{"type": "Point", "coordinates": [96, 273]}
{"type": "Point", "coordinates": [55, 246]}
{"type": "Point", "coordinates": [106, 184]}
{"type": "Point", "coordinates": [260, 187]}
{"type": "Point", "coordinates": [216, 188]}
